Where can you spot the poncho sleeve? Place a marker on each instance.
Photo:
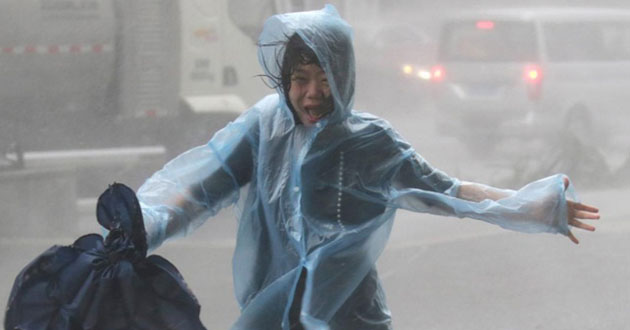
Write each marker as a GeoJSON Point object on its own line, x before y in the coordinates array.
{"type": "Point", "coordinates": [198, 183]}
{"type": "Point", "coordinates": [540, 206]}
{"type": "Point", "coordinates": [416, 172]}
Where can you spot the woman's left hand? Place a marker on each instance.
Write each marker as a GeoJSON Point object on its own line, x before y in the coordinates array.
{"type": "Point", "coordinates": [578, 211]}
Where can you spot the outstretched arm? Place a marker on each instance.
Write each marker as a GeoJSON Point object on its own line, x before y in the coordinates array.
{"type": "Point", "coordinates": [575, 211]}
{"type": "Point", "coordinates": [477, 192]}
{"type": "Point", "coordinates": [191, 188]}
{"type": "Point", "coordinates": [198, 183]}
{"type": "Point", "coordinates": [546, 205]}
{"type": "Point", "coordinates": [195, 200]}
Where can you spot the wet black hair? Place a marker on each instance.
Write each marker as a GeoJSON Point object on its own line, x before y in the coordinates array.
{"type": "Point", "coordinates": [296, 52]}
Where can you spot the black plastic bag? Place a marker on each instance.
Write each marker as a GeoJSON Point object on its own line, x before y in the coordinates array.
{"type": "Point", "coordinates": [96, 284]}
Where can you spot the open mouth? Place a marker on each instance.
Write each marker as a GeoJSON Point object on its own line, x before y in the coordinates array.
{"type": "Point", "coordinates": [315, 113]}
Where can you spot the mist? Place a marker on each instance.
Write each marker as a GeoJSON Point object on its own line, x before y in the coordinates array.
{"type": "Point", "coordinates": [95, 92]}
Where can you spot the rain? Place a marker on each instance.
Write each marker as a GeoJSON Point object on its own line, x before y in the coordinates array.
{"type": "Point", "coordinates": [94, 92]}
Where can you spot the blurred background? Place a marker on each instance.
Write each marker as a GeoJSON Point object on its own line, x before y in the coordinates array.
{"type": "Point", "coordinates": [498, 92]}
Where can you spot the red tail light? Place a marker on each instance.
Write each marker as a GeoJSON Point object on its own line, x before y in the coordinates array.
{"type": "Point", "coordinates": [485, 25]}
{"type": "Point", "coordinates": [533, 77]}
{"type": "Point", "coordinates": [533, 74]}
{"type": "Point", "coordinates": [437, 73]}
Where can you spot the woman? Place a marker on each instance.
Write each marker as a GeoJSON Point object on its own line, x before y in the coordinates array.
{"type": "Point", "coordinates": [318, 185]}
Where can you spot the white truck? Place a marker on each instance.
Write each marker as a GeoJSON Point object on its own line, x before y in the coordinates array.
{"type": "Point", "coordinates": [116, 87]}
{"type": "Point", "coordinates": [106, 73]}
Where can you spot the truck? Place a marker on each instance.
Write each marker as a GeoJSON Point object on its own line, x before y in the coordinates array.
{"type": "Point", "coordinates": [93, 74]}
{"type": "Point", "coordinates": [147, 78]}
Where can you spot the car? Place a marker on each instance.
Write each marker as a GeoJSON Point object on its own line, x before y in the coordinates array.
{"type": "Point", "coordinates": [392, 62]}
{"type": "Point", "coordinates": [539, 73]}
{"type": "Point", "coordinates": [403, 49]}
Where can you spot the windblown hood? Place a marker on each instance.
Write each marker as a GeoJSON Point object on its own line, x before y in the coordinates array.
{"type": "Point", "coordinates": [329, 36]}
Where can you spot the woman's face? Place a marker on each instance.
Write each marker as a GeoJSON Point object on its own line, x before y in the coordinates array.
{"type": "Point", "coordinates": [309, 93]}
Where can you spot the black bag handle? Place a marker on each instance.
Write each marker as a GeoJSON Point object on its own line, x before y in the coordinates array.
{"type": "Point", "coordinates": [118, 209]}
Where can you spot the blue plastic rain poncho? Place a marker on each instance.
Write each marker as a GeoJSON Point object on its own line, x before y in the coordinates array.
{"type": "Point", "coordinates": [317, 203]}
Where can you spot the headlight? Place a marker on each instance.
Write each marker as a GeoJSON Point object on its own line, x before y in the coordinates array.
{"type": "Point", "coordinates": [407, 69]}
{"type": "Point", "coordinates": [419, 72]}
{"type": "Point", "coordinates": [424, 74]}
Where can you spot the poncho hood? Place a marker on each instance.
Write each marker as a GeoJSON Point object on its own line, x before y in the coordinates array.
{"type": "Point", "coordinates": [329, 36]}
